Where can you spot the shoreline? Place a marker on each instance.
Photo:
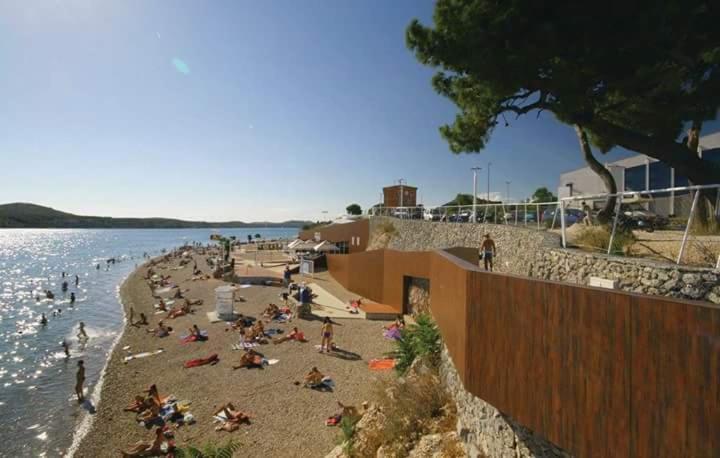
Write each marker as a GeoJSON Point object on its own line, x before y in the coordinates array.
{"type": "Point", "coordinates": [86, 424]}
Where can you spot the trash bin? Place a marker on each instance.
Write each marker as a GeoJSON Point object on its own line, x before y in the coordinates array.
{"type": "Point", "coordinates": [225, 302]}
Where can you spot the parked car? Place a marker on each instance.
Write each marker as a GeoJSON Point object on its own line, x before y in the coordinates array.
{"type": "Point", "coordinates": [636, 216]}
{"type": "Point", "coordinates": [572, 216]}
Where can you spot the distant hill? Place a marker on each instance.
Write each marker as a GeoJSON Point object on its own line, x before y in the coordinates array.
{"type": "Point", "coordinates": [23, 215]}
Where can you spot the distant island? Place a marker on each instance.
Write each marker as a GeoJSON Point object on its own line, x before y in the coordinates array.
{"type": "Point", "coordinates": [25, 215]}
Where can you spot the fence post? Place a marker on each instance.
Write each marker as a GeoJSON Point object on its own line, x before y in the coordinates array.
{"type": "Point", "coordinates": [687, 228]}
{"type": "Point", "coordinates": [525, 213]}
{"type": "Point", "coordinates": [555, 214]}
{"type": "Point", "coordinates": [562, 223]}
{"type": "Point", "coordinates": [495, 213]}
{"type": "Point", "coordinates": [516, 214]}
{"type": "Point", "coordinates": [537, 210]}
{"type": "Point", "coordinates": [618, 209]}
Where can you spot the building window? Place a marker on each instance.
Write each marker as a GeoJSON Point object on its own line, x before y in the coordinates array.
{"type": "Point", "coordinates": [635, 178]}
{"type": "Point", "coordinates": [342, 247]}
{"type": "Point", "coordinates": [659, 177]}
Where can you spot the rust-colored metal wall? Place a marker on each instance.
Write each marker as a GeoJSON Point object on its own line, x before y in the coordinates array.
{"type": "Point", "coordinates": [358, 230]}
{"type": "Point", "coordinates": [600, 373]}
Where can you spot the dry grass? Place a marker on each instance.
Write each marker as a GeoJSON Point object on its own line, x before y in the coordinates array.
{"type": "Point", "coordinates": [597, 238]}
{"type": "Point", "coordinates": [414, 407]}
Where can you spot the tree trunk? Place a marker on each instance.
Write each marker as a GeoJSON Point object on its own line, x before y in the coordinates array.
{"type": "Point", "coordinates": [605, 214]}
{"type": "Point", "coordinates": [704, 220]}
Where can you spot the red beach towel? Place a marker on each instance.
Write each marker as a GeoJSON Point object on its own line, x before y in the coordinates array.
{"type": "Point", "coordinates": [202, 361]}
{"type": "Point", "coordinates": [381, 364]}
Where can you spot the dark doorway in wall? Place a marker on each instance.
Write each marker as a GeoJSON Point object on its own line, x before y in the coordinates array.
{"type": "Point", "coordinates": [416, 295]}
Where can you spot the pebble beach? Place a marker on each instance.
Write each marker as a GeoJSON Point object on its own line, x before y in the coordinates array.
{"type": "Point", "coordinates": [286, 419]}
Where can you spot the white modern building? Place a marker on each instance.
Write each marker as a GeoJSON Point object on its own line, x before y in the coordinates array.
{"type": "Point", "coordinates": [641, 173]}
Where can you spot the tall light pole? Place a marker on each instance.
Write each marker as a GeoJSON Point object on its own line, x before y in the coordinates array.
{"type": "Point", "coordinates": [507, 194]}
{"type": "Point", "coordinates": [475, 171]}
{"type": "Point", "coordinates": [488, 194]}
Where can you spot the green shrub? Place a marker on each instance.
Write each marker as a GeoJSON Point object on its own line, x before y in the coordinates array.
{"type": "Point", "coordinates": [419, 340]}
{"type": "Point", "coordinates": [347, 430]}
{"type": "Point", "coordinates": [209, 450]}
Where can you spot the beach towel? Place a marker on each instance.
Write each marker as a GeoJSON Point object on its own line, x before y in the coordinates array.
{"type": "Point", "coordinates": [212, 359]}
{"type": "Point", "coordinates": [271, 362]}
{"type": "Point", "coordinates": [392, 333]}
{"type": "Point", "coordinates": [272, 332]}
{"type": "Point", "coordinates": [244, 345]}
{"type": "Point", "coordinates": [381, 364]}
{"type": "Point", "coordinates": [285, 317]}
{"type": "Point", "coordinates": [142, 355]}
{"type": "Point", "coordinates": [334, 420]}
{"type": "Point", "coordinates": [194, 338]}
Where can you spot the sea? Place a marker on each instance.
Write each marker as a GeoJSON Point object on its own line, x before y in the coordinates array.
{"type": "Point", "coordinates": [39, 414]}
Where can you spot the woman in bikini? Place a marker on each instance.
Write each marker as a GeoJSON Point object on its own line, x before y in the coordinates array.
{"type": "Point", "coordinates": [292, 335]}
{"type": "Point", "coordinates": [249, 359]}
{"type": "Point", "coordinates": [233, 418]}
{"type": "Point", "coordinates": [147, 448]}
{"type": "Point", "coordinates": [327, 334]}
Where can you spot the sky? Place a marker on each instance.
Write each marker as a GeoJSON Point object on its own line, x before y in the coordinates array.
{"type": "Point", "coordinates": [238, 110]}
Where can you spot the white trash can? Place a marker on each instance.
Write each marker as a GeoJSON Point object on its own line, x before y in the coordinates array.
{"type": "Point", "coordinates": [224, 302]}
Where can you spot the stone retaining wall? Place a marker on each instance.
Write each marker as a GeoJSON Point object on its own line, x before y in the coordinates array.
{"type": "Point", "coordinates": [537, 254]}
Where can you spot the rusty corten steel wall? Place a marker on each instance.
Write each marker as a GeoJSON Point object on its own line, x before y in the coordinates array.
{"type": "Point", "coordinates": [343, 233]}
{"type": "Point", "coordinates": [600, 373]}
{"type": "Point", "coordinates": [361, 273]}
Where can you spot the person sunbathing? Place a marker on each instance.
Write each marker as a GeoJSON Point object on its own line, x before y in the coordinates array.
{"type": "Point", "coordinates": [242, 322]}
{"type": "Point", "coordinates": [292, 335]}
{"type": "Point", "coordinates": [314, 377]}
{"type": "Point", "coordinates": [195, 302]}
{"type": "Point", "coordinates": [161, 306]}
{"type": "Point", "coordinates": [399, 323]}
{"type": "Point", "coordinates": [147, 448]}
{"type": "Point", "coordinates": [196, 333]}
{"type": "Point", "coordinates": [255, 332]}
{"type": "Point", "coordinates": [271, 311]}
{"type": "Point", "coordinates": [250, 359]}
{"type": "Point", "coordinates": [154, 395]}
{"type": "Point", "coordinates": [179, 311]}
{"type": "Point", "coordinates": [138, 405]}
{"type": "Point", "coordinates": [161, 330]}
{"type": "Point", "coordinates": [150, 414]}
{"type": "Point", "coordinates": [233, 417]}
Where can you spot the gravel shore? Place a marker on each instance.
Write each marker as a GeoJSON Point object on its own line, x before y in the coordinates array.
{"type": "Point", "coordinates": [287, 420]}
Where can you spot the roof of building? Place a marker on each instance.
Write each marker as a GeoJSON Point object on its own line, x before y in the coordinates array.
{"type": "Point", "coordinates": [405, 186]}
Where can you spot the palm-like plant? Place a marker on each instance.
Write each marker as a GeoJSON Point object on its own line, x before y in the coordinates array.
{"type": "Point", "coordinates": [208, 450]}
{"type": "Point", "coordinates": [421, 339]}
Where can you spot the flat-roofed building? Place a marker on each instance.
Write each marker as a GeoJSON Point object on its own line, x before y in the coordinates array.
{"type": "Point", "coordinates": [641, 173]}
{"type": "Point", "coordinates": [400, 195]}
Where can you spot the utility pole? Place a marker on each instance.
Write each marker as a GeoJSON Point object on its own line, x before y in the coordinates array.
{"type": "Point", "coordinates": [507, 194]}
{"type": "Point", "coordinates": [475, 172]}
{"type": "Point", "coordinates": [488, 193]}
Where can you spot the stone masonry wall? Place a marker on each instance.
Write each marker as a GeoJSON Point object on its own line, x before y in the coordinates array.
{"type": "Point", "coordinates": [537, 254]}
{"type": "Point", "coordinates": [484, 431]}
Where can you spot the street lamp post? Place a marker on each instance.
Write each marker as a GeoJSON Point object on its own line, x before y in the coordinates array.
{"type": "Point", "coordinates": [488, 184]}
{"type": "Point", "coordinates": [507, 193]}
{"type": "Point", "coordinates": [474, 212]}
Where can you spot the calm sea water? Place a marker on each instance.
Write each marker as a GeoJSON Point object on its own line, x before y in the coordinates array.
{"type": "Point", "coordinates": [38, 412]}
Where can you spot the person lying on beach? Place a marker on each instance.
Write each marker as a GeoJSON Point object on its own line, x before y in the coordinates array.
{"type": "Point", "coordinates": [147, 448]}
{"type": "Point", "coordinates": [271, 311]}
{"type": "Point", "coordinates": [292, 335]}
{"type": "Point", "coordinates": [149, 414]}
{"type": "Point", "coordinates": [178, 294]}
{"type": "Point", "coordinates": [179, 311]}
{"type": "Point", "coordinates": [243, 322]}
{"type": "Point", "coordinates": [233, 417]}
{"type": "Point", "coordinates": [161, 330]}
{"type": "Point", "coordinates": [255, 332]}
{"type": "Point", "coordinates": [250, 359]}
{"type": "Point", "coordinates": [139, 404]}
{"type": "Point", "coordinates": [314, 377]}
{"type": "Point", "coordinates": [399, 323]}
{"type": "Point", "coordinates": [194, 302]}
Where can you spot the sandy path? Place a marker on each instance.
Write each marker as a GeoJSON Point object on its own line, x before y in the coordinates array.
{"type": "Point", "coordinates": [288, 420]}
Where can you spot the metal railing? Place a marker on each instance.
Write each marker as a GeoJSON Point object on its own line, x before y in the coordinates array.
{"type": "Point", "coordinates": [646, 199]}
{"type": "Point", "coordinates": [528, 214]}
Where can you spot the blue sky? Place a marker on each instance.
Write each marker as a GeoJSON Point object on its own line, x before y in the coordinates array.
{"type": "Point", "coordinates": [251, 110]}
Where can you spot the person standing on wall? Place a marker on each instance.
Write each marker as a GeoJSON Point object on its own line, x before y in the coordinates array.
{"type": "Point", "coordinates": [587, 218]}
{"type": "Point", "coordinates": [488, 251]}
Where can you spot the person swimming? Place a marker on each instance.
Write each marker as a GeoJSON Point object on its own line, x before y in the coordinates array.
{"type": "Point", "coordinates": [72, 298]}
{"type": "Point", "coordinates": [77, 280]}
{"type": "Point", "coordinates": [43, 320]}
{"type": "Point", "coordinates": [64, 286]}
{"type": "Point", "coordinates": [49, 294]}
{"type": "Point", "coordinates": [66, 348]}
